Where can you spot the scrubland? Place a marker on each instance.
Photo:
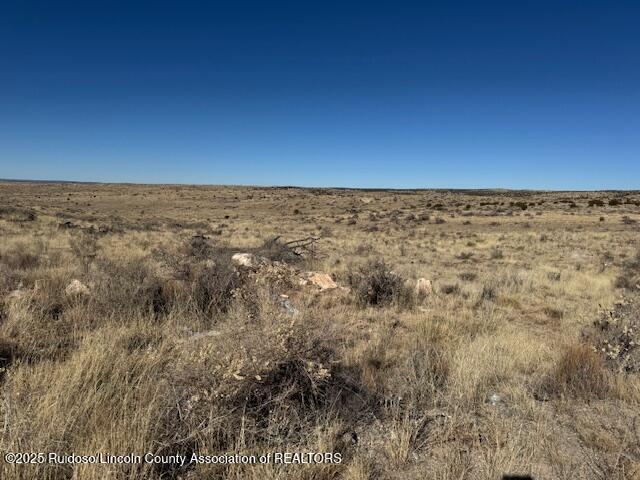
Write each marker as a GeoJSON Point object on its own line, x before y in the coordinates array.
{"type": "Point", "coordinates": [522, 359]}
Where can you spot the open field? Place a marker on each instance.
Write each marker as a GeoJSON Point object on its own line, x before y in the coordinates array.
{"type": "Point", "coordinates": [521, 358]}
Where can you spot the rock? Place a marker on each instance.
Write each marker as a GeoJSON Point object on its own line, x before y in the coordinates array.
{"type": "Point", "coordinates": [288, 307]}
{"type": "Point", "coordinates": [245, 260]}
{"type": "Point", "coordinates": [248, 260]}
{"type": "Point", "coordinates": [76, 287]}
{"type": "Point", "coordinates": [424, 287]}
{"type": "Point", "coordinates": [321, 280]}
{"type": "Point", "coordinates": [495, 399]}
{"type": "Point", "coordinates": [286, 304]}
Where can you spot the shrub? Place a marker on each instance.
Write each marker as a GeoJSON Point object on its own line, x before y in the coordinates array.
{"type": "Point", "coordinates": [277, 251]}
{"type": "Point", "coordinates": [488, 293]}
{"type": "Point", "coordinates": [199, 248]}
{"type": "Point", "coordinates": [212, 288]}
{"type": "Point", "coordinates": [259, 381]}
{"type": "Point", "coordinates": [468, 276]}
{"type": "Point", "coordinates": [579, 373]}
{"type": "Point", "coordinates": [131, 286]}
{"type": "Point", "coordinates": [450, 289]}
{"type": "Point", "coordinates": [496, 254]}
{"type": "Point", "coordinates": [374, 284]}
{"type": "Point", "coordinates": [554, 276]}
{"type": "Point", "coordinates": [623, 281]}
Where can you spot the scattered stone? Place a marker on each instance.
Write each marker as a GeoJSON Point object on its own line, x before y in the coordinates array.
{"type": "Point", "coordinates": [424, 287]}
{"type": "Point", "coordinates": [495, 399]}
{"type": "Point", "coordinates": [321, 280]}
{"type": "Point", "coordinates": [76, 287]}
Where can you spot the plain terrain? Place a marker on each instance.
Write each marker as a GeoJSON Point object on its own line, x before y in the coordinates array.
{"type": "Point", "coordinates": [523, 358]}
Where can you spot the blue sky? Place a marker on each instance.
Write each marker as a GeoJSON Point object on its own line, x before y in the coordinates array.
{"type": "Point", "coordinates": [392, 94]}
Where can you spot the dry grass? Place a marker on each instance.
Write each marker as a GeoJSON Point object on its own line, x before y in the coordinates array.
{"type": "Point", "coordinates": [523, 360]}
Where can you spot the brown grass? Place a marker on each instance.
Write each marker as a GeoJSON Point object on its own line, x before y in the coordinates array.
{"type": "Point", "coordinates": [175, 350]}
{"type": "Point", "coordinates": [579, 373]}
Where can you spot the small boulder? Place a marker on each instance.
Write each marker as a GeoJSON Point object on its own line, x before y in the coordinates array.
{"type": "Point", "coordinates": [76, 287]}
{"type": "Point", "coordinates": [424, 287]}
{"type": "Point", "coordinates": [248, 260]}
{"type": "Point", "coordinates": [321, 280]}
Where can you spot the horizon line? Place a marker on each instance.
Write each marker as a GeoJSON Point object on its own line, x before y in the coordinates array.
{"type": "Point", "coordinates": [312, 187]}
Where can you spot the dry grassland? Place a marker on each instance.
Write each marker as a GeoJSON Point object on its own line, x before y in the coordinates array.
{"type": "Point", "coordinates": [523, 359]}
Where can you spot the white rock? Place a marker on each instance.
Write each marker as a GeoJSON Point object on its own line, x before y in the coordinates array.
{"type": "Point", "coordinates": [318, 279]}
{"type": "Point", "coordinates": [248, 260]}
{"type": "Point", "coordinates": [244, 259]}
{"type": "Point", "coordinates": [76, 287]}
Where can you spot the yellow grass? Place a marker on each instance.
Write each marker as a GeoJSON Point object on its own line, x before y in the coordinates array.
{"type": "Point", "coordinates": [490, 374]}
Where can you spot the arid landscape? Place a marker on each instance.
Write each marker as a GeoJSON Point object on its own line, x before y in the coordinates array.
{"type": "Point", "coordinates": [412, 334]}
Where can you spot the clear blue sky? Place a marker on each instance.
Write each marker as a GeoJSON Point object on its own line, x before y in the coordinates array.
{"type": "Point", "coordinates": [541, 94]}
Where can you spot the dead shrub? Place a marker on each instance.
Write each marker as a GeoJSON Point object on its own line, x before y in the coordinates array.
{"type": "Point", "coordinates": [374, 284]}
{"type": "Point", "coordinates": [579, 373]}
{"type": "Point", "coordinates": [199, 248]}
{"type": "Point", "coordinates": [489, 293]}
{"type": "Point", "coordinates": [131, 286]}
{"type": "Point", "coordinates": [264, 380]}
{"type": "Point", "coordinates": [464, 255]}
{"type": "Point", "coordinates": [467, 276]}
{"type": "Point", "coordinates": [277, 250]}
{"type": "Point", "coordinates": [213, 287]}
{"type": "Point", "coordinates": [450, 289]}
{"type": "Point", "coordinates": [496, 254]}
{"type": "Point", "coordinates": [616, 336]}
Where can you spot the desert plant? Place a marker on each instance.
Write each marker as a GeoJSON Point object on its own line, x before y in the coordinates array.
{"type": "Point", "coordinates": [374, 284]}
{"type": "Point", "coordinates": [578, 373]}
